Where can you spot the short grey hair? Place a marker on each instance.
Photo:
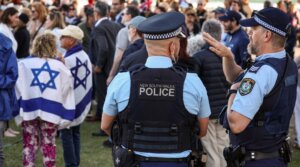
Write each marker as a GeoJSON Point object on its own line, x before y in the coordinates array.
{"type": "Point", "coordinates": [213, 27]}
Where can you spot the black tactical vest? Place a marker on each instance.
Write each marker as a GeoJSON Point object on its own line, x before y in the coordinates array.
{"type": "Point", "coordinates": [156, 119]}
{"type": "Point", "coordinates": [270, 125]}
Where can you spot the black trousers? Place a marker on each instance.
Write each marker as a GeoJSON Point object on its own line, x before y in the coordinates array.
{"type": "Point", "coordinates": [101, 88]}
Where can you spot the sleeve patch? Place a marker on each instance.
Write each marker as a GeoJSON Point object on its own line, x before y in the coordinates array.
{"type": "Point", "coordinates": [246, 86]}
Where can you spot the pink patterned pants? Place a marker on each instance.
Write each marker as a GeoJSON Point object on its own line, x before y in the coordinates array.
{"type": "Point", "coordinates": [39, 133]}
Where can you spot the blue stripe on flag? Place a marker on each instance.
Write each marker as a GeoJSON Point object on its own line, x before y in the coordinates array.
{"type": "Point", "coordinates": [49, 106]}
{"type": "Point", "coordinates": [80, 107]}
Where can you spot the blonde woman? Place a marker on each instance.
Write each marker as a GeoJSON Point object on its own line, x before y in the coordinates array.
{"type": "Point", "coordinates": [38, 19]}
{"type": "Point", "coordinates": [45, 92]}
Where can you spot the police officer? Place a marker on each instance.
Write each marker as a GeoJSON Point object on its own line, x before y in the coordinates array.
{"type": "Point", "coordinates": [156, 104]}
{"type": "Point", "coordinates": [261, 104]}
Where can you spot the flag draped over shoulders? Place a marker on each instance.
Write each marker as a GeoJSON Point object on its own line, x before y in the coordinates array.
{"type": "Point", "coordinates": [45, 91]}
{"type": "Point", "coordinates": [81, 68]}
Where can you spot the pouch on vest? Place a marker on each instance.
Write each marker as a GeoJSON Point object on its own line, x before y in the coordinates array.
{"type": "Point", "coordinates": [122, 157]}
{"type": "Point", "coordinates": [116, 133]}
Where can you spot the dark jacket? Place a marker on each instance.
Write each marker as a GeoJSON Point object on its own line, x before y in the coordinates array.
{"type": "Point", "coordinates": [8, 78]}
{"type": "Point", "coordinates": [23, 38]}
{"type": "Point", "coordinates": [133, 59]}
{"type": "Point", "coordinates": [87, 36]}
{"type": "Point", "coordinates": [208, 66]}
{"type": "Point", "coordinates": [135, 46]}
{"type": "Point", "coordinates": [102, 45]}
{"type": "Point", "coordinates": [238, 42]}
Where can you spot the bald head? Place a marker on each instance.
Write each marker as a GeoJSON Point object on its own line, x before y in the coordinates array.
{"type": "Point", "coordinates": [166, 47]}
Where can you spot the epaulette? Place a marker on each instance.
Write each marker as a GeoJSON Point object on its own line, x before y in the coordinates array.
{"type": "Point", "coordinates": [255, 68]}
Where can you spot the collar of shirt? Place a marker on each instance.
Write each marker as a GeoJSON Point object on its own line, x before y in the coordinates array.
{"type": "Point", "coordinates": [158, 62]}
{"type": "Point", "coordinates": [278, 55]}
{"type": "Point", "coordinates": [119, 15]}
{"type": "Point", "coordinates": [238, 30]}
{"type": "Point", "coordinates": [73, 50]}
{"type": "Point", "coordinates": [100, 20]}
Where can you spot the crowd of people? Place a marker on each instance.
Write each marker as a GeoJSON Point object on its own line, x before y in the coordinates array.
{"type": "Point", "coordinates": [57, 60]}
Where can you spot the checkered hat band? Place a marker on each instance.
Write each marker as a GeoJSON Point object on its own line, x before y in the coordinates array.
{"type": "Point", "coordinates": [162, 36]}
{"type": "Point", "coordinates": [268, 26]}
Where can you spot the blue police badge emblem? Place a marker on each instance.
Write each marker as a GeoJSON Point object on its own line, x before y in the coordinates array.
{"type": "Point", "coordinates": [246, 86]}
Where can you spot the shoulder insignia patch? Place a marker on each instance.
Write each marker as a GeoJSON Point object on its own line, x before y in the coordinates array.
{"type": "Point", "coordinates": [246, 86]}
{"type": "Point", "coordinates": [254, 69]}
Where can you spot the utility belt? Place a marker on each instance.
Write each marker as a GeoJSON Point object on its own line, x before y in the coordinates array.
{"type": "Point", "coordinates": [237, 156]}
{"type": "Point", "coordinates": [123, 157]}
{"type": "Point", "coordinates": [139, 158]}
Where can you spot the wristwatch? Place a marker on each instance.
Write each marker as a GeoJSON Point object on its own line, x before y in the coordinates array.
{"type": "Point", "coordinates": [229, 92]}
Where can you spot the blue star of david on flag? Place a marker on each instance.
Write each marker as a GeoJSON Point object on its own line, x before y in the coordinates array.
{"type": "Point", "coordinates": [44, 85]}
{"type": "Point", "coordinates": [74, 71]}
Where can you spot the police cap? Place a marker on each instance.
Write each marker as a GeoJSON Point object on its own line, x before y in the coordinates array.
{"type": "Point", "coordinates": [230, 15]}
{"type": "Point", "coordinates": [219, 10]}
{"type": "Point", "coordinates": [270, 18]}
{"type": "Point", "coordinates": [162, 26]}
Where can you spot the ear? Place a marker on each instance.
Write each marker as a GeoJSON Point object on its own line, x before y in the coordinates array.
{"type": "Point", "coordinates": [172, 48]}
{"type": "Point", "coordinates": [268, 36]}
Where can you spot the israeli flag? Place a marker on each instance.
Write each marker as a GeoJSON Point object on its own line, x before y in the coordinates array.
{"type": "Point", "coordinates": [45, 91]}
{"type": "Point", "coordinates": [81, 68]}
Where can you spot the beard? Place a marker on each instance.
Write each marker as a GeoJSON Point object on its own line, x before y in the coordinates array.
{"type": "Point", "coordinates": [252, 49]}
{"type": "Point", "coordinates": [228, 27]}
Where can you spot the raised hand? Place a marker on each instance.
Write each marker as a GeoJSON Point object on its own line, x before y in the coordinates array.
{"type": "Point", "coordinates": [217, 47]}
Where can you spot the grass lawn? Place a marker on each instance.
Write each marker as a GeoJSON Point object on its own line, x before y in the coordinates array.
{"type": "Point", "coordinates": [93, 154]}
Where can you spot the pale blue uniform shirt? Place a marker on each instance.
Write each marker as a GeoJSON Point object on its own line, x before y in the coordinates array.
{"type": "Point", "coordinates": [265, 79]}
{"type": "Point", "coordinates": [194, 97]}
